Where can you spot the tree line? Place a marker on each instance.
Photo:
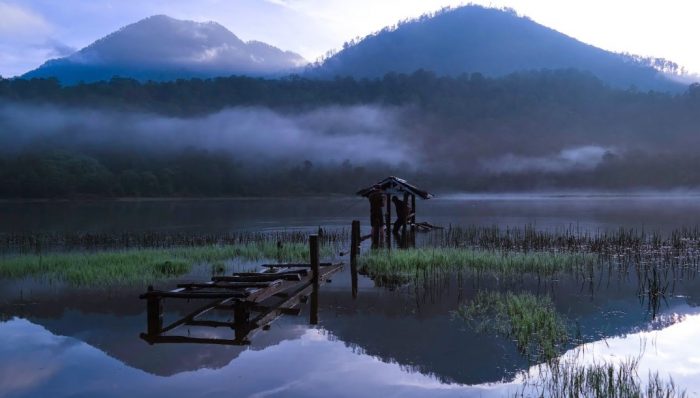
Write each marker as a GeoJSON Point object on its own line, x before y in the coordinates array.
{"type": "Point", "coordinates": [475, 117]}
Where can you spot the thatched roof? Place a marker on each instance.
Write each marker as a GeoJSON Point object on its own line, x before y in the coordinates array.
{"type": "Point", "coordinates": [397, 186]}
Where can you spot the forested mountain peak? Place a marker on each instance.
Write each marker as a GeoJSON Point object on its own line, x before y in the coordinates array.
{"type": "Point", "coordinates": [490, 41]}
{"type": "Point", "coordinates": [162, 48]}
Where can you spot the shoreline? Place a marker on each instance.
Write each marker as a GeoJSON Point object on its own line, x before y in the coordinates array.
{"type": "Point", "coordinates": [525, 195]}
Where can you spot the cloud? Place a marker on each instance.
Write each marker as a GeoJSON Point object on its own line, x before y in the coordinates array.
{"type": "Point", "coordinates": [361, 134]}
{"type": "Point", "coordinates": [58, 49]}
{"type": "Point", "coordinates": [26, 40]}
{"type": "Point", "coordinates": [572, 159]}
{"type": "Point", "coordinates": [20, 24]}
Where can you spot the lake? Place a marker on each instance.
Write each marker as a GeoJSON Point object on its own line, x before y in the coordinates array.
{"type": "Point", "coordinates": [404, 340]}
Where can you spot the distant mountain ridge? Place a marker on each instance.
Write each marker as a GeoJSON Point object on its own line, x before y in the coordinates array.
{"type": "Point", "coordinates": [489, 41]}
{"type": "Point", "coordinates": [163, 48]}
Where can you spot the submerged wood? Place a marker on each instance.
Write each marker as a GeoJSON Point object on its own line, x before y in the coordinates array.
{"type": "Point", "coordinates": [202, 295]}
{"type": "Point", "coordinates": [269, 294]}
{"type": "Point", "coordinates": [293, 265]}
{"type": "Point", "coordinates": [267, 272]}
{"type": "Point", "coordinates": [228, 285]}
{"type": "Point", "coordinates": [261, 278]}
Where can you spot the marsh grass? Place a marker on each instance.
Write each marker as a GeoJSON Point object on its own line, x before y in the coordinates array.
{"type": "Point", "coordinates": [47, 242]}
{"type": "Point", "coordinates": [142, 265]}
{"type": "Point", "coordinates": [529, 238]}
{"type": "Point", "coordinates": [567, 379]}
{"type": "Point", "coordinates": [413, 263]}
{"type": "Point", "coordinates": [538, 331]}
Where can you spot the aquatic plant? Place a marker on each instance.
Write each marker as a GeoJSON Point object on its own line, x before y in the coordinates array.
{"type": "Point", "coordinates": [142, 265]}
{"type": "Point", "coordinates": [568, 378]}
{"type": "Point", "coordinates": [413, 262]}
{"type": "Point", "coordinates": [531, 321]}
{"type": "Point", "coordinates": [529, 238]}
{"type": "Point", "coordinates": [44, 242]}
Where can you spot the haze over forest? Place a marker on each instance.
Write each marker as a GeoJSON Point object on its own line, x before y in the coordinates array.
{"type": "Point", "coordinates": [453, 99]}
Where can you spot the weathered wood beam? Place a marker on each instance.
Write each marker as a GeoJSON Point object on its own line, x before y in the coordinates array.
{"type": "Point", "coordinates": [261, 278]}
{"type": "Point", "coordinates": [199, 311]}
{"type": "Point", "coordinates": [292, 265]}
{"type": "Point", "coordinates": [192, 340]}
{"type": "Point", "coordinates": [199, 295]}
{"type": "Point", "coordinates": [228, 285]}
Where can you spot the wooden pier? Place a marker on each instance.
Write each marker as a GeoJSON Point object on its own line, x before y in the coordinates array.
{"type": "Point", "coordinates": [255, 299]}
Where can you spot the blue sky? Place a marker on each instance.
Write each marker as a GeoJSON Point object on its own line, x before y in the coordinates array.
{"type": "Point", "coordinates": [32, 31]}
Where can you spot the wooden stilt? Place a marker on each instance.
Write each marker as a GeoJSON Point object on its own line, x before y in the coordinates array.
{"type": "Point", "coordinates": [413, 209]}
{"type": "Point", "coordinates": [354, 252]}
{"type": "Point", "coordinates": [313, 259]}
{"type": "Point", "coordinates": [254, 298]}
{"type": "Point", "coordinates": [407, 220]}
{"type": "Point", "coordinates": [241, 316]}
{"type": "Point", "coordinates": [154, 314]}
{"type": "Point", "coordinates": [355, 240]}
{"type": "Point", "coordinates": [388, 221]}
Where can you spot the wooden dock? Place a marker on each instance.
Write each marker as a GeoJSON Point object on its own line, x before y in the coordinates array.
{"type": "Point", "coordinates": [255, 299]}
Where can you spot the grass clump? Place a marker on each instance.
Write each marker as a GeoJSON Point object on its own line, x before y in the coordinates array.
{"type": "Point", "coordinates": [600, 380]}
{"type": "Point", "coordinates": [412, 262]}
{"type": "Point", "coordinates": [531, 321]}
{"type": "Point", "coordinates": [140, 265]}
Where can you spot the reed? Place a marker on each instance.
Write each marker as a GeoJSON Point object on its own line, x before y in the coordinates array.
{"type": "Point", "coordinates": [142, 265]}
{"type": "Point", "coordinates": [47, 242]}
{"type": "Point", "coordinates": [531, 321]}
{"type": "Point", "coordinates": [412, 263]}
{"type": "Point", "coordinates": [571, 239]}
{"type": "Point", "coordinates": [566, 379]}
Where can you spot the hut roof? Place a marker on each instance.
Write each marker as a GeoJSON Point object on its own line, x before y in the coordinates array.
{"type": "Point", "coordinates": [395, 186]}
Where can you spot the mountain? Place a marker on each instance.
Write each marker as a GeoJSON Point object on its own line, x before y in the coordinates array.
{"type": "Point", "coordinates": [162, 48]}
{"type": "Point", "coordinates": [490, 41]}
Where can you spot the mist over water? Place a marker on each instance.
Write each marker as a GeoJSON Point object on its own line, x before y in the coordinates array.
{"type": "Point", "coordinates": [330, 134]}
{"type": "Point", "coordinates": [570, 159]}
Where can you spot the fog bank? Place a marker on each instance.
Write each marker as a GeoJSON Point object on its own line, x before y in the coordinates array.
{"type": "Point", "coordinates": [361, 134]}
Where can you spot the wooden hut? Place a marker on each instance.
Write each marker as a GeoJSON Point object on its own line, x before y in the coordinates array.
{"type": "Point", "coordinates": [394, 186]}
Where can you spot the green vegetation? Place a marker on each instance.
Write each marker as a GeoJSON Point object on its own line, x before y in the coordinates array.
{"type": "Point", "coordinates": [531, 321]}
{"type": "Point", "coordinates": [414, 262]}
{"type": "Point", "coordinates": [524, 113]}
{"type": "Point", "coordinates": [600, 380]}
{"type": "Point", "coordinates": [571, 239]}
{"type": "Point", "coordinates": [46, 242]}
{"type": "Point", "coordinates": [140, 265]}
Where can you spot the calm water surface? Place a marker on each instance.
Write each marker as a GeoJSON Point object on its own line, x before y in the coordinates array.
{"type": "Point", "coordinates": [62, 342]}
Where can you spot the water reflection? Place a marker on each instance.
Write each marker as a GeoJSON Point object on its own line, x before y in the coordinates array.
{"type": "Point", "coordinates": [35, 362]}
{"type": "Point", "coordinates": [369, 341]}
{"type": "Point", "coordinates": [63, 366]}
{"type": "Point", "coordinates": [417, 332]}
{"type": "Point", "coordinates": [669, 348]}
{"type": "Point", "coordinates": [588, 212]}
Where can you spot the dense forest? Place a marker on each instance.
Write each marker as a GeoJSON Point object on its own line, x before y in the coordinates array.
{"type": "Point", "coordinates": [560, 129]}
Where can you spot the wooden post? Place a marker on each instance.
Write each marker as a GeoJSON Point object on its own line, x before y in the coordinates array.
{"type": "Point", "coordinates": [355, 240]}
{"type": "Point", "coordinates": [154, 314]}
{"type": "Point", "coordinates": [314, 260]}
{"type": "Point", "coordinates": [408, 219]}
{"type": "Point", "coordinates": [241, 317]}
{"type": "Point", "coordinates": [354, 252]}
{"type": "Point", "coordinates": [413, 209]}
{"type": "Point", "coordinates": [376, 237]}
{"type": "Point", "coordinates": [388, 221]}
